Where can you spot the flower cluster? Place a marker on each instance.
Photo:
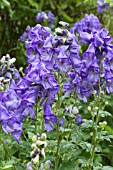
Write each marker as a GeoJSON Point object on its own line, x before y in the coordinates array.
{"type": "Point", "coordinates": [7, 71]}
{"type": "Point", "coordinates": [46, 54]}
{"type": "Point", "coordinates": [51, 56]}
{"type": "Point", "coordinates": [102, 6]}
{"type": "Point", "coordinates": [96, 67]}
{"type": "Point", "coordinates": [45, 17]}
{"type": "Point", "coordinates": [75, 114]}
{"type": "Point", "coordinates": [38, 146]}
{"type": "Point", "coordinates": [89, 23]}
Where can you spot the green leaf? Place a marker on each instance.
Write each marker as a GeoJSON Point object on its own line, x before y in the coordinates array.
{"type": "Point", "coordinates": [8, 167]}
{"type": "Point", "coordinates": [107, 168]}
{"type": "Point", "coordinates": [65, 132]}
{"type": "Point", "coordinates": [104, 113]}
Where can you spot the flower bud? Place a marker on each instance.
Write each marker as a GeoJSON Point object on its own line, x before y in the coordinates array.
{"type": "Point", "coordinates": [79, 119]}
{"type": "Point", "coordinates": [12, 60]}
{"type": "Point", "coordinates": [96, 108]}
{"type": "Point", "coordinates": [43, 136]}
{"type": "Point", "coordinates": [35, 160]}
{"type": "Point", "coordinates": [7, 57]}
{"type": "Point", "coordinates": [43, 144]}
{"type": "Point", "coordinates": [32, 154]}
{"type": "Point", "coordinates": [47, 164]}
{"type": "Point", "coordinates": [64, 24]}
{"type": "Point", "coordinates": [103, 124]}
{"type": "Point", "coordinates": [1, 79]}
{"type": "Point", "coordinates": [89, 108]}
{"type": "Point", "coordinates": [106, 103]}
{"type": "Point", "coordinates": [3, 59]}
{"type": "Point", "coordinates": [42, 153]}
{"type": "Point", "coordinates": [42, 166]}
{"type": "Point", "coordinates": [33, 145]}
{"type": "Point", "coordinates": [34, 138]}
{"type": "Point", "coordinates": [28, 166]}
{"type": "Point", "coordinates": [75, 110]}
{"type": "Point", "coordinates": [37, 151]}
{"type": "Point", "coordinates": [58, 30]}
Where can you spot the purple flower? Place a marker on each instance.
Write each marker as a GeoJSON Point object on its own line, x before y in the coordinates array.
{"type": "Point", "coordinates": [79, 119]}
{"type": "Point", "coordinates": [41, 17]}
{"type": "Point", "coordinates": [89, 23]}
{"type": "Point", "coordinates": [51, 18]}
{"type": "Point", "coordinates": [49, 117]}
{"type": "Point", "coordinates": [102, 6]}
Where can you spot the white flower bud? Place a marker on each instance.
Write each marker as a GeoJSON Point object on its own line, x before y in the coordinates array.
{"type": "Point", "coordinates": [33, 145]}
{"type": "Point", "coordinates": [47, 164]}
{"type": "Point", "coordinates": [106, 103]}
{"type": "Point", "coordinates": [3, 59]}
{"type": "Point", "coordinates": [103, 124]}
{"type": "Point", "coordinates": [96, 108]}
{"type": "Point", "coordinates": [41, 143]}
{"type": "Point", "coordinates": [35, 160]}
{"type": "Point", "coordinates": [12, 60]}
{"type": "Point", "coordinates": [1, 79]}
{"type": "Point", "coordinates": [75, 110]}
{"type": "Point", "coordinates": [43, 136]}
{"type": "Point", "coordinates": [34, 138]}
{"type": "Point", "coordinates": [42, 154]}
{"type": "Point", "coordinates": [58, 30]}
{"type": "Point", "coordinates": [89, 108]}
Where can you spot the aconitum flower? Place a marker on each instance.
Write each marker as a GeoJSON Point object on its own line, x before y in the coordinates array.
{"type": "Point", "coordinates": [51, 18]}
{"type": "Point", "coordinates": [24, 36]}
{"type": "Point", "coordinates": [49, 117]}
{"type": "Point", "coordinates": [7, 71]}
{"type": "Point", "coordinates": [79, 119]}
{"type": "Point", "coordinates": [102, 6]}
{"type": "Point", "coordinates": [88, 24]}
{"type": "Point", "coordinates": [43, 17]}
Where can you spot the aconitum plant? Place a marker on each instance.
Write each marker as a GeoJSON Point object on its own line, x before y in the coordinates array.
{"type": "Point", "coordinates": [58, 68]}
{"type": "Point", "coordinates": [104, 5]}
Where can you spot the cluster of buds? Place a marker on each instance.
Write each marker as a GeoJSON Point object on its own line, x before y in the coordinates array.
{"type": "Point", "coordinates": [39, 144]}
{"type": "Point", "coordinates": [103, 124]}
{"type": "Point", "coordinates": [7, 71]}
{"type": "Point", "coordinates": [76, 115]}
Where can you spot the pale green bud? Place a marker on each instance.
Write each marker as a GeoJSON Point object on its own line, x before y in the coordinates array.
{"type": "Point", "coordinates": [103, 124]}
{"type": "Point", "coordinates": [41, 143]}
{"type": "Point", "coordinates": [33, 145]}
{"type": "Point", "coordinates": [31, 154]}
{"type": "Point", "coordinates": [34, 138]}
{"type": "Point", "coordinates": [106, 103]}
{"type": "Point", "coordinates": [89, 108]}
{"type": "Point", "coordinates": [12, 60]}
{"type": "Point", "coordinates": [43, 136]}
{"type": "Point", "coordinates": [96, 108]}
{"type": "Point", "coordinates": [75, 110]}
{"type": "Point", "coordinates": [58, 30]}
{"type": "Point", "coordinates": [47, 164]}
{"type": "Point", "coordinates": [35, 160]}
{"type": "Point", "coordinates": [42, 154]}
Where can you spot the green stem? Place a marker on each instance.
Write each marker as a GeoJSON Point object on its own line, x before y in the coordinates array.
{"type": "Point", "coordinates": [57, 129]}
{"type": "Point", "coordinates": [94, 140]}
{"type": "Point", "coordinates": [36, 117]}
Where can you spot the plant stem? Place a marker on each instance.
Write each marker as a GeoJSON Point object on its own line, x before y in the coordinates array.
{"type": "Point", "coordinates": [57, 129]}
{"type": "Point", "coordinates": [95, 122]}
{"type": "Point", "coordinates": [36, 116]}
